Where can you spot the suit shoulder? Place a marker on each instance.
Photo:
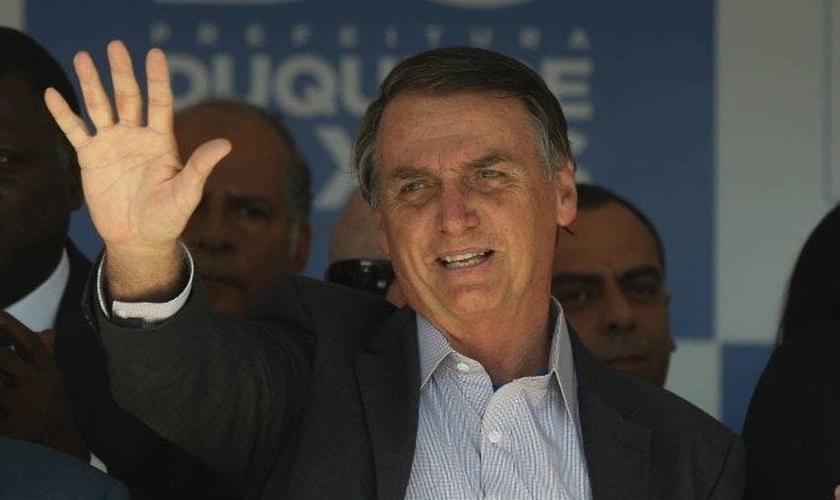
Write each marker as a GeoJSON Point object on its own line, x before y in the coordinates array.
{"type": "Point", "coordinates": [671, 418]}
{"type": "Point", "coordinates": [322, 306]}
{"type": "Point", "coordinates": [677, 416]}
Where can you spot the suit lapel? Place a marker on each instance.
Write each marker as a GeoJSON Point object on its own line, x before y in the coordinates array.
{"type": "Point", "coordinates": [389, 383]}
{"type": "Point", "coordinates": [617, 450]}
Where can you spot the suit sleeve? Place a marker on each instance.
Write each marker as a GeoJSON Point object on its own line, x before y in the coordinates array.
{"type": "Point", "coordinates": [226, 390]}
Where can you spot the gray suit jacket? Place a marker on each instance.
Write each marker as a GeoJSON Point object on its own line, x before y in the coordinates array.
{"type": "Point", "coordinates": [316, 396]}
{"type": "Point", "coordinates": [151, 467]}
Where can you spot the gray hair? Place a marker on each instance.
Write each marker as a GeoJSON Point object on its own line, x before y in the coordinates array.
{"type": "Point", "coordinates": [455, 70]}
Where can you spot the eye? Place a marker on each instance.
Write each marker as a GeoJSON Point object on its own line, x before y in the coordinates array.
{"type": "Point", "coordinates": [643, 290]}
{"type": "Point", "coordinates": [574, 297]}
{"type": "Point", "coordinates": [488, 179]}
{"type": "Point", "coordinates": [252, 212]}
{"type": "Point", "coordinates": [412, 186]}
{"type": "Point", "coordinates": [12, 163]}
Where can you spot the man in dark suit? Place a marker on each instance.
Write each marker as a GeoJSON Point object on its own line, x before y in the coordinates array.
{"type": "Point", "coordinates": [475, 389]}
{"type": "Point", "coordinates": [62, 402]}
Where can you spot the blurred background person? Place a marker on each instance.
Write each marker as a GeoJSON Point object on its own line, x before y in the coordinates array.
{"type": "Point", "coordinates": [609, 275]}
{"type": "Point", "coordinates": [253, 220]}
{"type": "Point", "coordinates": [42, 271]}
{"type": "Point", "coordinates": [61, 401]}
{"type": "Point", "coordinates": [813, 290]}
{"type": "Point", "coordinates": [792, 427]}
{"type": "Point", "coordinates": [355, 257]}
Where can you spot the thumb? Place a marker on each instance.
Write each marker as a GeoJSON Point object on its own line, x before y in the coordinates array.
{"type": "Point", "coordinates": [190, 180]}
{"type": "Point", "coordinates": [204, 158]}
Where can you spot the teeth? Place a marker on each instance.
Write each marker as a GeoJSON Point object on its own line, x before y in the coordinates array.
{"type": "Point", "coordinates": [463, 260]}
{"type": "Point", "coordinates": [456, 258]}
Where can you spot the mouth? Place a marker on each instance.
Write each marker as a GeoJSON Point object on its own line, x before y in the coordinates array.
{"type": "Point", "coordinates": [463, 260]}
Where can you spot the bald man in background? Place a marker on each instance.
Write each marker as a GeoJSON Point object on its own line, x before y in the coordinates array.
{"type": "Point", "coordinates": [355, 256]}
{"type": "Point", "coordinates": [252, 224]}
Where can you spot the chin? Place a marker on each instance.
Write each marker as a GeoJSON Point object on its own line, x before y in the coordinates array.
{"type": "Point", "coordinates": [471, 303]}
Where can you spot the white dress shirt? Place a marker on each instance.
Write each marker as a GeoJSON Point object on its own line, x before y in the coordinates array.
{"type": "Point", "coordinates": [39, 309]}
{"type": "Point", "coordinates": [520, 441]}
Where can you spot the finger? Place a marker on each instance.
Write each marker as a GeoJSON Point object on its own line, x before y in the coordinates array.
{"type": "Point", "coordinates": [69, 122]}
{"type": "Point", "coordinates": [127, 96]}
{"type": "Point", "coordinates": [161, 102]}
{"type": "Point", "coordinates": [24, 340]}
{"type": "Point", "coordinates": [96, 100]}
{"type": "Point", "coordinates": [192, 177]}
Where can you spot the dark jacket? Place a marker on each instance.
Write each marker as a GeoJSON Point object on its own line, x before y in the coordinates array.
{"type": "Point", "coordinates": [151, 466]}
{"type": "Point", "coordinates": [316, 396]}
{"type": "Point", "coordinates": [792, 428]}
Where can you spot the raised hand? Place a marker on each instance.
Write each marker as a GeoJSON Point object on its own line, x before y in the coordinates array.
{"type": "Point", "coordinates": [139, 195]}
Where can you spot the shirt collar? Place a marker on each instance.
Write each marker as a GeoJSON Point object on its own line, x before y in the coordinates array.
{"type": "Point", "coordinates": [39, 309]}
{"type": "Point", "coordinates": [434, 348]}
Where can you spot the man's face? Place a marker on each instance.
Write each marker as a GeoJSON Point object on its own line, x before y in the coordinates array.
{"type": "Point", "coordinates": [241, 233]}
{"type": "Point", "coordinates": [37, 191]}
{"type": "Point", "coordinates": [466, 212]}
{"type": "Point", "coordinates": [610, 281]}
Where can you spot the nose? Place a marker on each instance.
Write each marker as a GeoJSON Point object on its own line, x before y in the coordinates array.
{"type": "Point", "coordinates": [208, 230]}
{"type": "Point", "coordinates": [457, 213]}
{"type": "Point", "coordinates": [618, 314]}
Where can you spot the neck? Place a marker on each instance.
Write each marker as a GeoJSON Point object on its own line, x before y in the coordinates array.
{"type": "Point", "coordinates": [506, 349]}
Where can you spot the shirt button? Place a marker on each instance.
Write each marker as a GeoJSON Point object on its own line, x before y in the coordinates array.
{"type": "Point", "coordinates": [494, 436]}
{"type": "Point", "coordinates": [463, 367]}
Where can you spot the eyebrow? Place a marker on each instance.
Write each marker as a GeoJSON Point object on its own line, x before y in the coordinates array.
{"type": "Point", "coordinates": [594, 279]}
{"type": "Point", "coordinates": [587, 278]}
{"type": "Point", "coordinates": [487, 160]}
{"type": "Point", "coordinates": [242, 200]}
{"type": "Point", "coordinates": [640, 272]}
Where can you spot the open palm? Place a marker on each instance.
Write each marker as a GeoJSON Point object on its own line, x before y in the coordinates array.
{"type": "Point", "coordinates": [138, 193]}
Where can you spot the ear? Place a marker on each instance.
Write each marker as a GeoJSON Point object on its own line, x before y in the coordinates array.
{"type": "Point", "coordinates": [566, 193]}
{"type": "Point", "coordinates": [304, 243]}
{"type": "Point", "coordinates": [383, 238]}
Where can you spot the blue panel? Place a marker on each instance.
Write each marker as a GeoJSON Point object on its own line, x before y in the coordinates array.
{"type": "Point", "coordinates": [637, 86]}
{"type": "Point", "coordinates": [742, 366]}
